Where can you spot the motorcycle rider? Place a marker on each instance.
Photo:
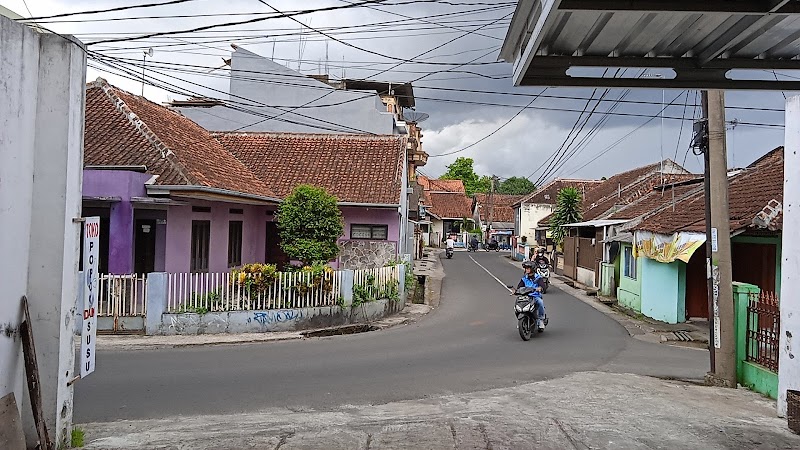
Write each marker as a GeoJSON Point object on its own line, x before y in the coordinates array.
{"type": "Point", "coordinates": [473, 243]}
{"type": "Point", "coordinates": [450, 243]}
{"type": "Point", "coordinates": [531, 279]}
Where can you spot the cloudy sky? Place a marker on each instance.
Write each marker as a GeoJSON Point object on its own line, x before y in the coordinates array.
{"type": "Point", "coordinates": [375, 39]}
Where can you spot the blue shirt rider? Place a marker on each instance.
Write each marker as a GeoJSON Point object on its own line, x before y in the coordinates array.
{"type": "Point", "coordinates": [531, 279]}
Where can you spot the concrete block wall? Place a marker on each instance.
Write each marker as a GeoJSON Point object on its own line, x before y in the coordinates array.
{"type": "Point", "coordinates": [160, 322]}
{"type": "Point", "coordinates": [41, 143]}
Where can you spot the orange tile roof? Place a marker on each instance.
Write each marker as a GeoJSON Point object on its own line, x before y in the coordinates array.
{"type": "Point", "coordinates": [502, 210]}
{"type": "Point", "coordinates": [449, 205]}
{"type": "Point", "coordinates": [354, 168]}
{"type": "Point", "coordinates": [435, 185]}
{"type": "Point", "coordinates": [124, 129]}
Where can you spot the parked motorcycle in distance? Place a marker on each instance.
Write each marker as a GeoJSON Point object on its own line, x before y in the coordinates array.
{"type": "Point", "coordinates": [492, 245]}
{"type": "Point", "coordinates": [544, 271]}
{"type": "Point", "coordinates": [449, 253]}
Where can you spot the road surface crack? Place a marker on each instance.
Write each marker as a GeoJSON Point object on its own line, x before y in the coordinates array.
{"type": "Point", "coordinates": [369, 441]}
{"type": "Point", "coordinates": [453, 430]}
{"type": "Point", "coordinates": [575, 443]}
{"type": "Point", "coordinates": [485, 435]}
{"type": "Point", "coordinates": [283, 440]}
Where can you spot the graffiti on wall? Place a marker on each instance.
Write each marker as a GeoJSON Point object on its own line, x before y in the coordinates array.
{"type": "Point", "coordinates": [265, 318]}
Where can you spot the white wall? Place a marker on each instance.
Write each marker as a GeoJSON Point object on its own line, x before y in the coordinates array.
{"type": "Point", "coordinates": [41, 141]}
{"type": "Point", "coordinates": [530, 214]}
{"type": "Point", "coordinates": [789, 368]}
{"type": "Point", "coordinates": [257, 81]}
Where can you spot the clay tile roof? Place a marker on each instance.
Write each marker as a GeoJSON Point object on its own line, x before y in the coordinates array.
{"type": "Point", "coordinates": [503, 210]}
{"type": "Point", "coordinates": [755, 198]}
{"type": "Point", "coordinates": [124, 129]}
{"type": "Point", "coordinates": [548, 193]}
{"type": "Point", "coordinates": [449, 205]}
{"type": "Point", "coordinates": [434, 185]}
{"type": "Point", "coordinates": [629, 194]}
{"type": "Point", "coordinates": [354, 168]}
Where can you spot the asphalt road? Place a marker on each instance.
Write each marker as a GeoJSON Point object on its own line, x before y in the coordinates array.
{"type": "Point", "coordinates": [470, 343]}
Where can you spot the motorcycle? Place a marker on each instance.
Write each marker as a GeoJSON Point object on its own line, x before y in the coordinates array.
{"type": "Point", "coordinates": [449, 253]}
{"type": "Point", "coordinates": [544, 271]}
{"type": "Point", "coordinates": [492, 246]}
{"type": "Point", "coordinates": [472, 247]}
{"type": "Point", "coordinates": [527, 314]}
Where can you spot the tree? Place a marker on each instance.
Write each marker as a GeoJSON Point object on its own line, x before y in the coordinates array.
{"type": "Point", "coordinates": [568, 210]}
{"type": "Point", "coordinates": [462, 169]}
{"type": "Point", "coordinates": [516, 186]}
{"type": "Point", "coordinates": [310, 223]}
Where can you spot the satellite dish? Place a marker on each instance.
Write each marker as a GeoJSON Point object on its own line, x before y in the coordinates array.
{"type": "Point", "coordinates": [415, 117]}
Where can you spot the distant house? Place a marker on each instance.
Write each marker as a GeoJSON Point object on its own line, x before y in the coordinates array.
{"type": "Point", "coordinates": [265, 96]}
{"type": "Point", "coordinates": [623, 198]}
{"type": "Point", "coordinates": [498, 208]}
{"type": "Point", "coordinates": [532, 208]}
{"type": "Point", "coordinates": [364, 172]}
{"type": "Point", "coordinates": [174, 197]}
{"type": "Point", "coordinates": [446, 207]}
{"type": "Point", "coordinates": [672, 287]}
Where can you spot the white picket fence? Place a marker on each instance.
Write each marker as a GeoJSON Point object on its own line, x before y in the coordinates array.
{"type": "Point", "coordinates": [188, 292]}
{"type": "Point", "coordinates": [377, 283]}
{"type": "Point", "coordinates": [122, 295]}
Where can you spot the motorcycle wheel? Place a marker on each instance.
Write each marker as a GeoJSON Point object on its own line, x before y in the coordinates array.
{"type": "Point", "coordinates": [524, 328]}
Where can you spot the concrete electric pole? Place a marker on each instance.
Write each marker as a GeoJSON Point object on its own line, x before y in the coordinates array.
{"type": "Point", "coordinates": [723, 370]}
{"type": "Point", "coordinates": [491, 210]}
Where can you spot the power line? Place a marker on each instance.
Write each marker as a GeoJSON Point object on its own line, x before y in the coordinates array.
{"type": "Point", "coordinates": [100, 11]}
{"type": "Point", "coordinates": [243, 22]}
{"type": "Point", "coordinates": [493, 132]}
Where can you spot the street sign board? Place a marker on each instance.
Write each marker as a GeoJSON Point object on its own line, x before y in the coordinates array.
{"type": "Point", "coordinates": [91, 245]}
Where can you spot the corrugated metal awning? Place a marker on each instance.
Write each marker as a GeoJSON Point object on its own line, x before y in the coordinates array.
{"type": "Point", "coordinates": [700, 40]}
{"type": "Point", "coordinates": [595, 223]}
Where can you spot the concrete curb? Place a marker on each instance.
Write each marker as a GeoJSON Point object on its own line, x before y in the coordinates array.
{"type": "Point", "coordinates": [409, 314]}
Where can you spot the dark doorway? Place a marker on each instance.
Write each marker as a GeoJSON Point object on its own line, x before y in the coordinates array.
{"type": "Point", "coordinates": [274, 254]}
{"type": "Point", "coordinates": [754, 264]}
{"type": "Point", "coordinates": [697, 285]}
{"type": "Point", "coordinates": [144, 253]}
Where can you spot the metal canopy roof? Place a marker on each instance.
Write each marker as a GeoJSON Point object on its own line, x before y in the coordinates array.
{"type": "Point", "coordinates": [701, 40]}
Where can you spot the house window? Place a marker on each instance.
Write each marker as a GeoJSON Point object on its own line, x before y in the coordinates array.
{"type": "Point", "coordinates": [373, 232]}
{"type": "Point", "coordinates": [235, 243]}
{"type": "Point", "coordinates": [630, 263]}
{"type": "Point", "coordinates": [201, 235]}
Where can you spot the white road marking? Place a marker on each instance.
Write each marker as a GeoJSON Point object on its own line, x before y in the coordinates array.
{"type": "Point", "coordinates": [491, 274]}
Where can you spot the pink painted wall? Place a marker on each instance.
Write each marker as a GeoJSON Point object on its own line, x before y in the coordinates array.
{"type": "Point", "coordinates": [372, 216]}
{"type": "Point", "coordinates": [179, 234]}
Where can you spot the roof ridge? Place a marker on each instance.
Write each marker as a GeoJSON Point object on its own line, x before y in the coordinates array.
{"type": "Point", "coordinates": [141, 127]}
{"type": "Point", "coordinates": [336, 136]}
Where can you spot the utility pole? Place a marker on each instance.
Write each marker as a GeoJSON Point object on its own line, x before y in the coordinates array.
{"type": "Point", "coordinates": [491, 210]}
{"type": "Point", "coordinates": [723, 369]}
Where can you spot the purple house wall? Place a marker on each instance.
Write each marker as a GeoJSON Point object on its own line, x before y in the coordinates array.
{"type": "Point", "coordinates": [119, 190]}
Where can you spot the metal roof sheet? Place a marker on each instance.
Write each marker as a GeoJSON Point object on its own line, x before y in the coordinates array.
{"type": "Point", "coordinates": [700, 40]}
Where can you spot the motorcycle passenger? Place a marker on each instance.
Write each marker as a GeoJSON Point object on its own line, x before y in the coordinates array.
{"type": "Point", "coordinates": [531, 279]}
{"type": "Point", "coordinates": [540, 258]}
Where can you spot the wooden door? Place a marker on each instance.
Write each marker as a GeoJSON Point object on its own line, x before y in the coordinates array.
{"type": "Point", "coordinates": [696, 285]}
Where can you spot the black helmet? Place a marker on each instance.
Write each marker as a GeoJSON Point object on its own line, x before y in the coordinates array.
{"type": "Point", "coordinates": [527, 265]}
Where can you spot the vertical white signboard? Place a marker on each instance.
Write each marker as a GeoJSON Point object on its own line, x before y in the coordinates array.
{"type": "Point", "coordinates": [91, 245]}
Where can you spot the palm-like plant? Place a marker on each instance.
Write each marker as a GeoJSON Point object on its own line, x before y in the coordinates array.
{"type": "Point", "coordinates": [568, 210]}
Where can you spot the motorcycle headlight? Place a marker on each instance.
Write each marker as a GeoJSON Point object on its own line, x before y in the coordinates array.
{"type": "Point", "coordinates": [518, 308]}
{"type": "Point", "coordinates": [526, 308]}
